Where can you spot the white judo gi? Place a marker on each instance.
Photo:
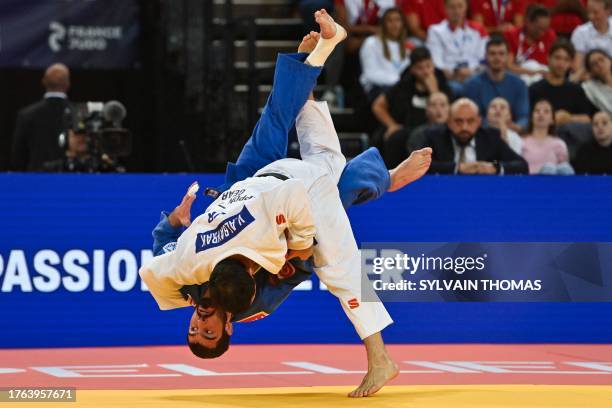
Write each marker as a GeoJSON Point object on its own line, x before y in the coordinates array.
{"type": "Point", "coordinates": [252, 217]}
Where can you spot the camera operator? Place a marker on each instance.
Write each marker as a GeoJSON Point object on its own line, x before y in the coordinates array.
{"type": "Point", "coordinates": [78, 157]}
{"type": "Point", "coordinates": [94, 139]}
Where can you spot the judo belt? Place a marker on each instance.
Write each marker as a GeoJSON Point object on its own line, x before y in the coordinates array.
{"type": "Point", "coordinates": [276, 175]}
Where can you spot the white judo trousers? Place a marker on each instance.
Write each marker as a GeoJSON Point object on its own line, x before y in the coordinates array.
{"type": "Point", "coordinates": [337, 260]}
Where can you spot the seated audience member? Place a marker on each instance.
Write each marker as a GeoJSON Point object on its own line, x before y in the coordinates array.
{"type": "Point", "coordinates": [569, 102]}
{"type": "Point", "coordinates": [596, 157]}
{"type": "Point", "coordinates": [566, 15]}
{"type": "Point", "coordinates": [599, 88]}
{"type": "Point", "coordinates": [361, 19]}
{"type": "Point", "coordinates": [463, 146]}
{"type": "Point", "coordinates": [499, 117]}
{"type": "Point", "coordinates": [385, 56]}
{"type": "Point", "coordinates": [495, 81]}
{"type": "Point", "coordinates": [457, 45]}
{"type": "Point", "coordinates": [437, 111]}
{"type": "Point", "coordinates": [545, 153]}
{"type": "Point", "coordinates": [530, 45]}
{"type": "Point", "coordinates": [402, 108]}
{"type": "Point", "coordinates": [498, 16]}
{"type": "Point", "coordinates": [422, 14]}
{"type": "Point", "coordinates": [596, 33]}
{"type": "Point", "coordinates": [39, 125]}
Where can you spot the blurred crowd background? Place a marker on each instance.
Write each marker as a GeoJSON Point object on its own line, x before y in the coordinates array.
{"type": "Point", "coordinates": [494, 86]}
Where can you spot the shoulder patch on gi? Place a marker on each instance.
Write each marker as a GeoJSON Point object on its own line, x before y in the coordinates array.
{"type": "Point", "coordinates": [169, 247]}
{"type": "Point", "coordinates": [225, 231]}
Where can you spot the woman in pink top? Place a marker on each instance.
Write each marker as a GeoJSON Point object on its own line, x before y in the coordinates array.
{"type": "Point", "coordinates": [545, 154]}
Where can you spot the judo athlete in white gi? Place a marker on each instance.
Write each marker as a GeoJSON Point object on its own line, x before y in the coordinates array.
{"type": "Point", "coordinates": [278, 212]}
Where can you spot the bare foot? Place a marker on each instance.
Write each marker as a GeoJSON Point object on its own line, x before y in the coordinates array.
{"type": "Point", "coordinates": [309, 42]}
{"type": "Point", "coordinates": [411, 169]}
{"type": "Point", "coordinates": [327, 24]}
{"type": "Point", "coordinates": [376, 377]}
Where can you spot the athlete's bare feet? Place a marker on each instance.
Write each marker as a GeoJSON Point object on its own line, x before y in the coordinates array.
{"type": "Point", "coordinates": [411, 169]}
{"type": "Point", "coordinates": [377, 376]}
{"type": "Point", "coordinates": [309, 42]}
{"type": "Point", "coordinates": [328, 25]}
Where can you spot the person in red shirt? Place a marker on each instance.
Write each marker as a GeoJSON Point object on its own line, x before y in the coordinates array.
{"type": "Point", "coordinates": [529, 46]}
{"type": "Point", "coordinates": [420, 14]}
{"type": "Point", "coordinates": [566, 15]}
{"type": "Point", "coordinates": [498, 15]}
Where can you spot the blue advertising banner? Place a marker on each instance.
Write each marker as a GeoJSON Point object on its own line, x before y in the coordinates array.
{"type": "Point", "coordinates": [94, 34]}
{"type": "Point", "coordinates": [71, 247]}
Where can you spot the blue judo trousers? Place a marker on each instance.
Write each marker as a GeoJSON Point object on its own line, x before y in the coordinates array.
{"type": "Point", "coordinates": [364, 178]}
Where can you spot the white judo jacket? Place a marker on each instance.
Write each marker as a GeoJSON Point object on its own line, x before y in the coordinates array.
{"type": "Point", "coordinates": [259, 218]}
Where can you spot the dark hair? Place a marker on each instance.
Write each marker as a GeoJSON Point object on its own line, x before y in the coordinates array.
{"type": "Point", "coordinates": [203, 352]}
{"type": "Point", "coordinates": [587, 57]}
{"type": "Point", "coordinates": [495, 41]}
{"type": "Point", "coordinates": [563, 44]}
{"type": "Point", "coordinates": [535, 11]}
{"type": "Point", "coordinates": [231, 286]}
{"type": "Point", "coordinates": [552, 127]}
{"type": "Point", "coordinates": [384, 35]}
{"type": "Point", "coordinates": [419, 54]}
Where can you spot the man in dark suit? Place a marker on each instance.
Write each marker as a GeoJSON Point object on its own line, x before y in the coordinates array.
{"type": "Point", "coordinates": [38, 126]}
{"type": "Point", "coordinates": [462, 146]}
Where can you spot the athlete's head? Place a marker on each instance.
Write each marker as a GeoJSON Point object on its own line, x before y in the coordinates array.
{"type": "Point", "coordinates": [232, 286]}
{"type": "Point", "coordinates": [209, 329]}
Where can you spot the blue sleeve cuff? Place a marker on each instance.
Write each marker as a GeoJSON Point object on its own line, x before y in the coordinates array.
{"type": "Point", "coordinates": [164, 233]}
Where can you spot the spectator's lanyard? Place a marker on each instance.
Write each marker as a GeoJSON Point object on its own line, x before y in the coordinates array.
{"type": "Point", "coordinates": [499, 8]}
{"type": "Point", "coordinates": [521, 56]}
{"type": "Point", "coordinates": [460, 46]}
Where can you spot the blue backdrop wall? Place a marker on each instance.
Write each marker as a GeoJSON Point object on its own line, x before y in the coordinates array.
{"type": "Point", "coordinates": [71, 245]}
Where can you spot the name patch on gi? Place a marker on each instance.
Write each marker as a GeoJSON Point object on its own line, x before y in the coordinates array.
{"type": "Point", "coordinates": [225, 231]}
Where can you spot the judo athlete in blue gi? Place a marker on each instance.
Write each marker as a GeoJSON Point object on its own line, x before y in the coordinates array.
{"type": "Point", "coordinates": [361, 179]}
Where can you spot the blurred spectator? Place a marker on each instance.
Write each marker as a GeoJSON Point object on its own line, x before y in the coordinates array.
{"type": "Point", "coordinates": [498, 15]}
{"type": "Point", "coordinates": [565, 15]}
{"type": "Point", "coordinates": [78, 158]}
{"type": "Point", "coordinates": [495, 81]}
{"type": "Point", "coordinates": [499, 117]}
{"type": "Point", "coordinates": [596, 157]}
{"type": "Point", "coordinates": [437, 111]}
{"type": "Point", "coordinates": [464, 147]}
{"type": "Point", "coordinates": [596, 33]}
{"type": "Point", "coordinates": [385, 56]}
{"type": "Point", "coordinates": [402, 108]}
{"type": "Point", "coordinates": [529, 46]}
{"type": "Point", "coordinates": [545, 153]}
{"type": "Point", "coordinates": [569, 102]}
{"type": "Point", "coordinates": [599, 88]}
{"type": "Point", "coordinates": [361, 19]}
{"type": "Point", "coordinates": [422, 14]}
{"type": "Point", "coordinates": [39, 125]}
{"type": "Point", "coordinates": [456, 44]}
{"type": "Point", "coordinates": [307, 9]}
